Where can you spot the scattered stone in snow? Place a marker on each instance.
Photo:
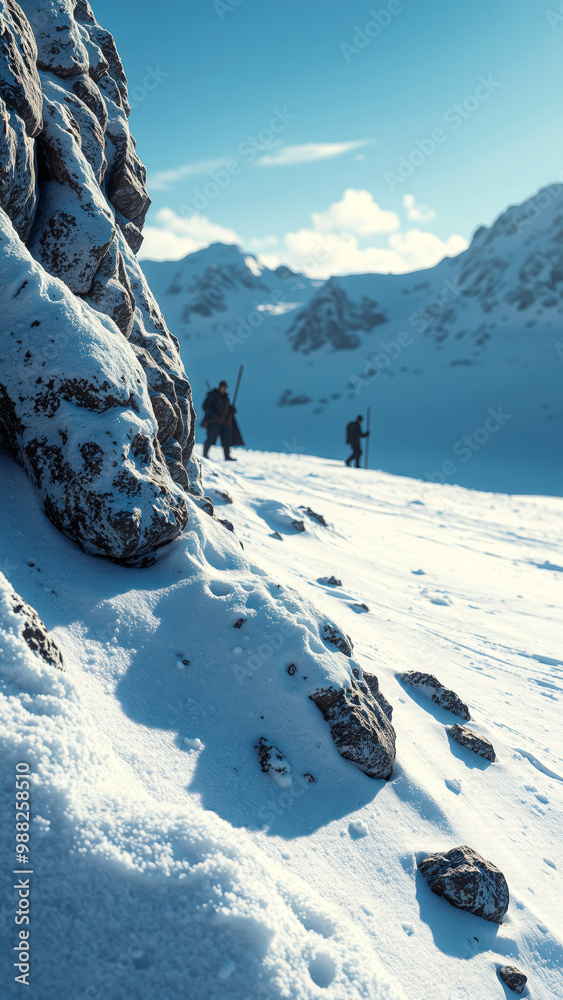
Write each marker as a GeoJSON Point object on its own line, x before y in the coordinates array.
{"type": "Point", "coordinates": [454, 785]}
{"type": "Point", "coordinates": [226, 523]}
{"type": "Point", "coordinates": [193, 744]}
{"type": "Point", "coordinates": [337, 638]}
{"type": "Point", "coordinates": [315, 517]}
{"type": "Point", "coordinates": [35, 634]}
{"type": "Point", "coordinates": [360, 607]}
{"type": "Point", "coordinates": [430, 686]}
{"type": "Point", "coordinates": [359, 726]}
{"type": "Point", "coordinates": [273, 763]}
{"type": "Point", "coordinates": [514, 979]}
{"type": "Point", "coordinates": [298, 525]}
{"type": "Point", "coordinates": [468, 882]}
{"type": "Point", "coordinates": [418, 572]}
{"type": "Point", "coordinates": [276, 534]}
{"type": "Point", "coordinates": [292, 669]}
{"type": "Point", "coordinates": [309, 778]}
{"type": "Point", "coordinates": [330, 581]}
{"type": "Point", "coordinates": [468, 738]}
{"type": "Point", "coordinates": [240, 622]}
{"type": "Point", "coordinates": [357, 829]}
{"type": "Point", "coordinates": [223, 495]}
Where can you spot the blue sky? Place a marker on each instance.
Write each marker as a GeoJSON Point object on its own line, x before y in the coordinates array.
{"type": "Point", "coordinates": [255, 117]}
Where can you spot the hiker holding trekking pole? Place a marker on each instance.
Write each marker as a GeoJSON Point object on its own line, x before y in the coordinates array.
{"type": "Point", "coordinates": [220, 421]}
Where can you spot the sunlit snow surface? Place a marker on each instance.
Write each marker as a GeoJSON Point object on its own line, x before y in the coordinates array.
{"type": "Point", "coordinates": [166, 864]}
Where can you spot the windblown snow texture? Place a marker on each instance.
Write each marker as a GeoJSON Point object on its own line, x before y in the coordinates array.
{"type": "Point", "coordinates": [94, 399]}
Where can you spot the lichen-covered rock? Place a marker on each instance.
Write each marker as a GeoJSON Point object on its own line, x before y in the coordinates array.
{"type": "Point", "coordinates": [80, 421]}
{"type": "Point", "coordinates": [440, 695]}
{"type": "Point", "coordinates": [35, 634]}
{"type": "Point", "coordinates": [472, 741]}
{"type": "Point", "coordinates": [514, 979]}
{"type": "Point", "coordinates": [273, 763]}
{"type": "Point", "coordinates": [360, 726]}
{"type": "Point", "coordinates": [105, 428]}
{"type": "Point", "coordinates": [468, 882]}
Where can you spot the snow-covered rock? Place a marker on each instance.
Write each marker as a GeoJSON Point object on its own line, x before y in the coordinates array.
{"type": "Point", "coordinates": [22, 620]}
{"type": "Point", "coordinates": [468, 881]}
{"type": "Point", "coordinates": [466, 737]}
{"type": "Point", "coordinates": [432, 688]}
{"type": "Point", "coordinates": [94, 399]}
{"type": "Point", "coordinates": [360, 727]}
{"type": "Point", "coordinates": [514, 979]}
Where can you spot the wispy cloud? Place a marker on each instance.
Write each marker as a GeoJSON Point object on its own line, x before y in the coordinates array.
{"type": "Point", "coordinates": [163, 180]}
{"type": "Point", "coordinates": [288, 156]}
{"type": "Point", "coordinates": [172, 236]}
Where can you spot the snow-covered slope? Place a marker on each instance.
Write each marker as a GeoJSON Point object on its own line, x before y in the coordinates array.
{"type": "Point", "coordinates": [165, 862]}
{"type": "Point", "coordinates": [432, 353]}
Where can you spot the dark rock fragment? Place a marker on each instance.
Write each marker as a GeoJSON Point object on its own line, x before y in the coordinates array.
{"type": "Point", "coordinates": [468, 882]}
{"type": "Point", "coordinates": [440, 695]}
{"type": "Point", "coordinates": [468, 738]}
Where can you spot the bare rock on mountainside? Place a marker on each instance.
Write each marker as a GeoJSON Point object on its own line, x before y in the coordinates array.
{"type": "Point", "coordinates": [433, 689]}
{"type": "Point", "coordinates": [94, 399]}
{"type": "Point", "coordinates": [466, 737]}
{"type": "Point", "coordinates": [468, 882]}
{"type": "Point", "coordinates": [360, 726]}
{"type": "Point", "coordinates": [34, 632]}
{"type": "Point", "coordinates": [333, 635]}
{"type": "Point", "coordinates": [514, 979]}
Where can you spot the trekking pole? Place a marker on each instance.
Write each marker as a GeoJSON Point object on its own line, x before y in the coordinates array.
{"type": "Point", "coordinates": [241, 369]}
{"type": "Point", "coordinates": [367, 439]}
{"type": "Point", "coordinates": [208, 386]}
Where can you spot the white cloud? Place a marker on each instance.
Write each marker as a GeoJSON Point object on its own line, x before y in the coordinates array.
{"type": "Point", "coordinates": [164, 179]}
{"type": "Point", "coordinates": [337, 242]}
{"type": "Point", "coordinates": [287, 156]}
{"type": "Point", "coordinates": [357, 212]}
{"type": "Point", "coordinates": [174, 237]}
{"type": "Point", "coordinates": [417, 213]}
{"type": "Point", "coordinates": [417, 249]}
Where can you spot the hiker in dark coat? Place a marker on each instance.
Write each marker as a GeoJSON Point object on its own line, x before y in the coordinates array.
{"type": "Point", "coordinates": [353, 438]}
{"type": "Point", "coordinates": [218, 413]}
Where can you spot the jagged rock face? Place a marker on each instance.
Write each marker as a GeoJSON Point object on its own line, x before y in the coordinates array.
{"type": "Point", "coordinates": [467, 881]}
{"type": "Point", "coordinates": [359, 719]}
{"type": "Point", "coordinates": [331, 320]}
{"type": "Point", "coordinates": [94, 399]}
{"type": "Point", "coordinates": [433, 689]}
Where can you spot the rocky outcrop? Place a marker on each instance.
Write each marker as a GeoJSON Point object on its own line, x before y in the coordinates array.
{"type": "Point", "coordinates": [514, 979]}
{"type": "Point", "coordinates": [94, 399]}
{"type": "Point", "coordinates": [359, 719]}
{"type": "Point", "coordinates": [34, 633]}
{"type": "Point", "coordinates": [440, 695]}
{"type": "Point", "coordinates": [336, 637]}
{"type": "Point", "coordinates": [468, 882]}
{"type": "Point", "coordinates": [333, 320]}
{"type": "Point", "coordinates": [466, 737]}
{"type": "Point", "coordinates": [273, 763]}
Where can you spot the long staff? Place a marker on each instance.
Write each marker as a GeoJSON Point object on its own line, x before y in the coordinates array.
{"type": "Point", "coordinates": [367, 439]}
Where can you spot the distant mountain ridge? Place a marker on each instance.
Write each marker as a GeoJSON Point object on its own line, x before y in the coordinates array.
{"type": "Point", "coordinates": [429, 351]}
